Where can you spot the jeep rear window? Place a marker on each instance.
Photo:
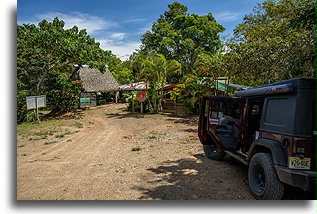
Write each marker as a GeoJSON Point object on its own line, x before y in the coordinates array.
{"type": "Point", "coordinates": [277, 111]}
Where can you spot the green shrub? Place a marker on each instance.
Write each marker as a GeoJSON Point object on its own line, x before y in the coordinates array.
{"type": "Point", "coordinates": [22, 114]}
{"type": "Point", "coordinates": [62, 93]}
{"type": "Point", "coordinates": [21, 106]}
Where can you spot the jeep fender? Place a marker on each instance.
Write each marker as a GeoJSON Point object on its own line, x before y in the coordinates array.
{"type": "Point", "coordinates": [266, 145]}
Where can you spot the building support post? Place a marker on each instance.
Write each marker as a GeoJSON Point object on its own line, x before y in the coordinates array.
{"type": "Point", "coordinates": [132, 103]}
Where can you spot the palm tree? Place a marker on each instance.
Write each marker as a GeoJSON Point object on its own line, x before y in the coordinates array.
{"type": "Point", "coordinates": [155, 70]}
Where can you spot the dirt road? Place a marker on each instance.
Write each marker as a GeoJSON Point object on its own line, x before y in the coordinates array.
{"type": "Point", "coordinates": [98, 163]}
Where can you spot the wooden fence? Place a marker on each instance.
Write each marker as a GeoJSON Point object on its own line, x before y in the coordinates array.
{"type": "Point", "coordinates": [172, 106]}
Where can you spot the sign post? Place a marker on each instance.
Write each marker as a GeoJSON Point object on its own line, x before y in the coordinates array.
{"type": "Point", "coordinates": [141, 96]}
{"type": "Point", "coordinates": [36, 102]}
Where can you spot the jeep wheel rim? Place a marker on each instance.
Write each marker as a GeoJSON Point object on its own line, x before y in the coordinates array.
{"type": "Point", "coordinates": [259, 177]}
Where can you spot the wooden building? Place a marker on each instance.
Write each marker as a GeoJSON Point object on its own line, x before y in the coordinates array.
{"type": "Point", "coordinates": [217, 87]}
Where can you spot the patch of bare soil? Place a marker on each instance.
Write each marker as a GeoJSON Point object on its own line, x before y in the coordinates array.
{"type": "Point", "coordinates": [118, 155]}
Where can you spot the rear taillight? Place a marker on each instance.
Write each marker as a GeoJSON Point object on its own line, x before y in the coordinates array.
{"type": "Point", "coordinates": [300, 147]}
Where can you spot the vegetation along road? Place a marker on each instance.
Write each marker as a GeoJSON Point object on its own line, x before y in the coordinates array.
{"type": "Point", "coordinates": [106, 153]}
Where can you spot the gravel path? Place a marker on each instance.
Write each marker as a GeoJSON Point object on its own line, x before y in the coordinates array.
{"type": "Point", "coordinates": [98, 163]}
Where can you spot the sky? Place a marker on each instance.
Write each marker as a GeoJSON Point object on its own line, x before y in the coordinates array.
{"type": "Point", "coordinates": [119, 24]}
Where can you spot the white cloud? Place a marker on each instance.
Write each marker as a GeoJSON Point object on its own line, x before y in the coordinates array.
{"type": "Point", "coordinates": [82, 20]}
{"type": "Point", "coordinates": [134, 20]}
{"type": "Point", "coordinates": [102, 30]}
{"type": "Point", "coordinates": [122, 50]}
{"type": "Point", "coordinates": [143, 30]}
{"type": "Point", "coordinates": [118, 36]}
{"type": "Point", "coordinates": [226, 16]}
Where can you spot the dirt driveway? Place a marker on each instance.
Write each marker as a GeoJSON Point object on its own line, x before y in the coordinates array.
{"type": "Point", "coordinates": [122, 156]}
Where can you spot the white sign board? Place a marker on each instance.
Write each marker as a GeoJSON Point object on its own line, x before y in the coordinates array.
{"type": "Point", "coordinates": [41, 101]}
{"type": "Point", "coordinates": [34, 102]}
{"type": "Point", "coordinates": [30, 103]}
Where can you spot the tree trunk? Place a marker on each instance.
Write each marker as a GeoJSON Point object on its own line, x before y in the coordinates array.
{"type": "Point", "coordinates": [48, 69]}
{"type": "Point", "coordinates": [161, 98]}
{"type": "Point", "coordinates": [41, 80]}
{"type": "Point", "coordinates": [150, 106]}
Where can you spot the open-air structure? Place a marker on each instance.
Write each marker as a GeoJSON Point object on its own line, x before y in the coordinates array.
{"type": "Point", "coordinates": [95, 81]}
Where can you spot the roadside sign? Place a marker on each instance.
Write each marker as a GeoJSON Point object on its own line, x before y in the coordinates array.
{"type": "Point", "coordinates": [141, 96]}
{"type": "Point", "coordinates": [30, 103]}
{"type": "Point", "coordinates": [34, 102]}
{"type": "Point", "coordinates": [88, 99]}
{"type": "Point", "coordinates": [41, 101]}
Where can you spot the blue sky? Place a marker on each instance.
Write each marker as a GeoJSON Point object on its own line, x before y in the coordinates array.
{"type": "Point", "coordinates": [119, 24]}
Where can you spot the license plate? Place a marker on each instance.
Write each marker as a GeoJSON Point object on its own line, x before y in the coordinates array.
{"type": "Point", "coordinates": [298, 163]}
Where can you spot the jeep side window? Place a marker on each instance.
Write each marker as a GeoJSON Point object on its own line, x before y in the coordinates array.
{"type": "Point", "coordinates": [254, 118]}
{"type": "Point", "coordinates": [215, 109]}
{"type": "Point", "coordinates": [206, 108]}
{"type": "Point", "coordinates": [226, 108]}
{"type": "Point", "coordinates": [218, 109]}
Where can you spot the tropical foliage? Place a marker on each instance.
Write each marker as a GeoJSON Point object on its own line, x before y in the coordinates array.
{"type": "Point", "coordinates": [63, 92]}
{"type": "Point", "coordinates": [155, 70]}
{"type": "Point", "coordinates": [182, 36]}
{"type": "Point", "coordinates": [275, 42]}
{"type": "Point", "coordinates": [46, 53]}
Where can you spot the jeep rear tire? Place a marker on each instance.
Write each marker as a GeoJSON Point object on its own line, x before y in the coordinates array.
{"type": "Point", "coordinates": [263, 180]}
{"type": "Point", "coordinates": [213, 152]}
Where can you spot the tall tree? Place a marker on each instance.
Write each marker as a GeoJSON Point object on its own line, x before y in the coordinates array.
{"type": "Point", "coordinates": [182, 36]}
{"type": "Point", "coordinates": [49, 47]}
{"type": "Point", "coordinates": [275, 42]}
{"type": "Point", "coordinates": [155, 70]}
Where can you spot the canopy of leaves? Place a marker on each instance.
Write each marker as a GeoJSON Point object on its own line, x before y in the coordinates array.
{"type": "Point", "coordinates": [49, 47]}
{"type": "Point", "coordinates": [155, 70]}
{"type": "Point", "coordinates": [182, 36]}
{"type": "Point", "coordinates": [46, 55]}
{"type": "Point", "coordinates": [275, 42]}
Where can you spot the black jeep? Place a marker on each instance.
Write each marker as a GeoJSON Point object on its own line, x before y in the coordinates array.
{"type": "Point", "coordinates": [271, 129]}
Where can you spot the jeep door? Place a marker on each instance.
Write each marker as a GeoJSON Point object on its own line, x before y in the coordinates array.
{"type": "Point", "coordinates": [224, 121]}
{"type": "Point", "coordinates": [203, 134]}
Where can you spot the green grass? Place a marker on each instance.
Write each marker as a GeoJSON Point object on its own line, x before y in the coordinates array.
{"type": "Point", "coordinates": [41, 130]}
{"type": "Point", "coordinates": [45, 132]}
{"type": "Point", "coordinates": [78, 125]}
{"type": "Point", "coordinates": [47, 127]}
{"type": "Point", "coordinates": [60, 135]}
{"type": "Point", "coordinates": [50, 142]}
{"type": "Point", "coordinates": [136, 149]}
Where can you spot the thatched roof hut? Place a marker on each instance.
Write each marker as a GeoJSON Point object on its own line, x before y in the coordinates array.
{"type": "Point", "coordinates": [94, 80]}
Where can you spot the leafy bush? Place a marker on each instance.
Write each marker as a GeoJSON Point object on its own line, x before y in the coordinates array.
{"type": "Point", "coordinates": [21, 106]}
{"type": "Point", "coordinates": [137, 104]}
{"type": "Point", "coordinates": [62, 93]}
{"type": "Point", "coordinates": [190, 94]}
